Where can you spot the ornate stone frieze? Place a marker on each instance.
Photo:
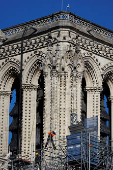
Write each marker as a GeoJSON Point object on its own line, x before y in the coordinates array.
{"type": "Point", "coordinates": [94, 47]}
{"type": "Point", "coordinates": [28, 45]}
{"type": "Point", "coordinates": [89, 27]}
{"type": "Point", "coordinates": [40, 42]}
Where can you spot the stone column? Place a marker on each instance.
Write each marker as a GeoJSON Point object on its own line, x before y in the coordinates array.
{"type": "Point", "coordinates": [77, 80]}
{"type": "Point", "coordinates": [47, 104]}
{"type": "Point", "coordinates": [4, 121]}
{"type": "Point", "coordinates": [62, 104]}
{"type": "Point", "coordinates": [93, 104]}
{"type": "Point", "coordinates": [78, 96]}
{"type": "Point", "coordinates": [111, 98]}
{"type": "Point", "coordinates": [29, 121]}
{"type": "Point", "coordinates": [68, 101]}
{"type": "Point", "coordinates": [54, 104]}
{"type": "Point", "coordinates": [50, 103]}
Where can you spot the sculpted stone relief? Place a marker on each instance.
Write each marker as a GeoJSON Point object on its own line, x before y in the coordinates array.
{"type": "Point", "coordinates": [54, 60]}
{"type": "Point", "coordinates": [42, 42]}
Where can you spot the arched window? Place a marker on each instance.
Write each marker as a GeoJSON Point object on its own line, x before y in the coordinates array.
{"type": "Point", "coordinates": [39, 113]}
{"type": "Point", "coordinates": [13, 118]}
{"type": "Point", "coordinates": [105, 114]}
{"type": "Point", "coordinates": [83, 101]}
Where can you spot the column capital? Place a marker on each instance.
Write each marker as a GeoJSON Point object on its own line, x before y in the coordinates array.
{"type": "Point", "coordinates": [5, 93]}
{"type": "Point", "coordinates": [54, 73]}
{"type": "Point", "coordinates": [77, 74]}
{"type": "Point", "coordinates": [62, 73]}
{"type": "Point", "coordinates": [29, 87]}
{"type": "Point", "coordinates": [111, 99]}
{"type": "Point", "coordinates": [45, 73]}
{"type": "Point", "coordinates": [93, 89]}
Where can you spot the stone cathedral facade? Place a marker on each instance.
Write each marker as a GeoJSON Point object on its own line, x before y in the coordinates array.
{"type": "Point", "coordinates": [67, 70]}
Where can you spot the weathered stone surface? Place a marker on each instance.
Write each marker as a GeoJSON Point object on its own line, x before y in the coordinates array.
{"type": "Point", "coordinates": [66, 48]}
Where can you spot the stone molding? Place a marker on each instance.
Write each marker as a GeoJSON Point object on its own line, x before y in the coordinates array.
{"type": "Point", "coordinates": [77, 74]}
{"type": "Point", "coordinates": [62, 73]}
{"type": "Point", "coordinates": [93, 89]}
{"type": "Point", "coordinates": [9, 60]}
{"type": "Point", "coordinates": [5, 93]}
{"type": "Point", "coordinates": [109, 65]}
{"type": "Point", "coordinates": [54, 73]}
{"type": "Point", "coordinates": [29, 87]}
{"type": "Point", "coordinates": [40, 42]}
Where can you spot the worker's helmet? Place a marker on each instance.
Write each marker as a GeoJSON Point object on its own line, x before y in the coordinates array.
{"type": "Point", "coordinates": [36, 154]}
{"type": "Point", "coordinates": [55, 132]}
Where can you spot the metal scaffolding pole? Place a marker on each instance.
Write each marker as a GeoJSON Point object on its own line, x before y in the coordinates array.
{"type": "Point", "coordinates": [89, 151]}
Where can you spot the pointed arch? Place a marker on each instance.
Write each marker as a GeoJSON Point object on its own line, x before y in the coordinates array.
{"type": "Point", "coordinates": [92, 72]}
{"type": "Point", "coordinates": [87, 79]}
{"type": "Point", "coordinates": [9, 71]}
{"type": "Point", "coordinates": [32, 70]}
{"type": "Point", "coordinates": [108, 76]}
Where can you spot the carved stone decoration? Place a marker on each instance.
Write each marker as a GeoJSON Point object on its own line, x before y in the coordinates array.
{"type": "Point", "coordinates": [64, 49]}
{"type": "Point", "coordinates": [2, 37]}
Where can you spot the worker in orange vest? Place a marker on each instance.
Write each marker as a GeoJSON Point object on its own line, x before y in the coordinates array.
{"type": "Point", "coordinates": [50, 138]}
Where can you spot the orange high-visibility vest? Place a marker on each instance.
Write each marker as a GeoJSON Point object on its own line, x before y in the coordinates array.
{"type": "Point", "coordinates": [51, 133]}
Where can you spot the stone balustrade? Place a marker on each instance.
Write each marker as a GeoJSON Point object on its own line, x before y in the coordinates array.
{"type": "Point", "coordinates": [56, 17]}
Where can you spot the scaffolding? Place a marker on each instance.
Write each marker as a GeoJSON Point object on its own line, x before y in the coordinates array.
{"type": "Point", "coordinates": [90, 153]}
{"type": "Point", "coordinates": [4, 160]}
{"type": "Point", "coordinates": [87, 153]}
{"type": "Point", "coordinates": [82, 150]}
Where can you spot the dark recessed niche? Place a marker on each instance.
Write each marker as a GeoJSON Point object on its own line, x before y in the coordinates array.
{"type": "Point", "coordinates": [54, 67]}
{"type": "Point", "coordinates": [62, 68]}
{"type": "Point", "coordinates": [64, 38]}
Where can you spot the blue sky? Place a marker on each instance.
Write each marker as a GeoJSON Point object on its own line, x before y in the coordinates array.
{"type": "Point", "coordinates": [12, 104]}
{"type": "Point", "coordinates": [14, 12]}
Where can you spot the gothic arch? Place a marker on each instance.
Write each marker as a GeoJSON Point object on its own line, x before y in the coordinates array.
{"type": "Point", "coordinates": [32, 70]}
{"type": "Point", "coordinates": [110, 84]}
{"type": "Point", "coordinates": [108, 92]}
{"type": "Point", "coordinates": [87, 79]}
{"type": "Point", "coordinates": [108, 67]}
{"type": "Point", "coordinates": [108, 76]}
{"type": "Point", "coordinates": [92, 72]}
{"type": "Point", "coordinates": [9, 71]}
{"type": "Point", "coordinates": [33, 85]}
